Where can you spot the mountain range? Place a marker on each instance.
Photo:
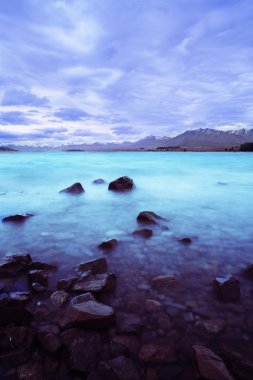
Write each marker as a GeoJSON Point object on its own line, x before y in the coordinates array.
{"type": "Point", "coordinates": [198, 139]}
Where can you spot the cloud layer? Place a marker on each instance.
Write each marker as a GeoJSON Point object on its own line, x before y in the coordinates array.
{"type": "Point", "coordinates": [79, 71]}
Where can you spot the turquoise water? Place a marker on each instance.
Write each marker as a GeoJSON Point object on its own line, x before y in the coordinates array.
{"type": "Point", "coordinates": [182, 187]}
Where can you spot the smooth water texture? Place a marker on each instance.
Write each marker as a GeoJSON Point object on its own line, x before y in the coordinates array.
{"type": "Point", "coordinates": [205, 196]}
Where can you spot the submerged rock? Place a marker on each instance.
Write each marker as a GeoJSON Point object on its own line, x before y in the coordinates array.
{"type": "Point", "coordinates": [38, 276]}
{"type": "Point", "coordinates": [59, 297]}
{"type": "Point", "coordinates": [164, 282]}
{"type": "Point", "coordinates": [11, 265]}
{"type": "Point", "coordinates": [121, 184]}
{"type": "Point", "coordinates": [144, 233]}
{"type": "Point", "coordinates": [211, 326]}
{"type": "Point", "coordinates": [124, 368]}
{"type": "Point", "coordinates": [17, 218]}
{"type": "Point", "coordinates": [227, 288]}
{"type": "Point", "coordinates": [210, 365]}
{"type": "Point", "coordinates": [66, 283]}
{"type": "Point", "coordinates": [85, 311]}
{"type": "Point", "coordinates": [95, 282]}
{"type": "Point", "coordinates": [99, 181]}
{"type": "Point", "coordinates": [30, 371]}
{"type": "Point", "coordinates": [42, 266]}
{"type": "Point", "coordinates": [76, 188]}
{"type": "Point", "coordinates": [157, 353]}
{"type": "Point", "coordinates": [97, 266]}
{"type": "Point", "coordinates": [148, 217]}
{"type": "Point", "coordinates": [185, 241]}
{"type": "Point", "coordinates": [108, 245]}
{"type": "Point", "coordinates": [129, 323]}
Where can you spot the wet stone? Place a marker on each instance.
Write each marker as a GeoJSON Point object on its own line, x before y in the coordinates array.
{"type": "Point", "coordinates": [38, 288]}
{"type": "Point", "coordinates": [248, 272]}
{"type": "Point", "coordinates": [227, 288]}
{"type": "Point", "coordinates": [149, 217]}
{"type": "Point", "coordinates": [143, 233]}
{"type": "Point", "coordinates": [96, 283]}
{"type": "Point", "coordinates": [11, 265]}
{"type": "Point", "coordinates": [59, 297]}
{"type": "Point", "coordinates": [39, 276]}
{"type": "Point", "coordinates": [14, 298]}
{"type": "Point", "coordinates": [128, 323]}
{"type": "Point", "coordinates": [211, 326]}
{"type": "Point", "coordinates": [153, 306]}
{"type": "Point", "coordinates": [17, 315]}
{"type": "Point", "coordinates": [99, 181]}
{"type": "Point", "coordinates": [108, 245]}
{"type": "Point", "coordinates": [157, 353]}
{"type": "Point", "coordinates": [124, 368]}
{"type": "Point", "coordinates": [48, 336]}
{"type": "Point", "coordinates": [14, 358]}
{"type": "Point", "coordinates": [164, 282]}
{"type": "Point", "coordinates": [75, 189]}
{"type": "Point", "coordinates": [185, 241]}
{"type": "Point", "coordinates": [40, 265]}
{"type": "Point", "coordinates": [30, 371]}
{"type": "Point", "coordinates": [66, 284]}
{"type": "Point", "coordinates": [17, 218]}
{"type": "Point", "coordinates": [121, 184]}
{"type": "Point", "coordinates": [128, 341]}
{"type": "Point", "coordinates": [96, 266]}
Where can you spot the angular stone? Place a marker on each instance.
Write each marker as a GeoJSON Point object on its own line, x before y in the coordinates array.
{"type": "Point", "coordinates": [164, 282]}
{"type": "Point", "coordinates": [17, 218]}
{"type": "Point", "coordinates": [99, 181]}
{"type": "Point", "coordinates": [97, 266]}
{"type": "Point", "coordinates": [227, 288]}
{"type": "Point", "coordinates": [85, 311]}
{"type": "Point", "coordinates": [128, 323]}
{"type": "Point", "coordinates": [210, 365]}
{"type": "Point", "coordinates": [11, 265]}
{"type": "Point", "coordinates": [108, 245]}
{"type": "Point", "coordinates": [76, 188]}
{"type": "Point", "coordinates": [66, 284]}
{"type": "Point", "coordinates": [121, 184]}
{"type": "Point", "coordinates": [39, 276]}
{"type": "Point", "coordinates": [48, 336]}
{"type": "Point", "coordinates": [212, 326]}
{"type": "Point", "coordinates": [59, 297]}
{"type": "Point", "coordinates": [148, 217]}
{"type": "Point", "coordinates": [156, 353]}
{"type": "Point", "coordinates": [42, 266]}
{"type": "Point", "coordinates": [144, 233]}
{"type": "Point", "coordinates": [95, 283]}
{"type": "Point", "coordinates": [30, 371]}
{"type": "Point", "coordinates": [124, 368]}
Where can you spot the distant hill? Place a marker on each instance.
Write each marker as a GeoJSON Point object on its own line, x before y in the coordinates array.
{"type": "Point", "coordinates": [5, 149]}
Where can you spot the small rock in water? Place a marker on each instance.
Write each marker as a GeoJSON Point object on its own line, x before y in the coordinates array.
{"type": "Point", "coordinates": [59, 297]}
{"type": "Point", "coordinates": [164, 282]}
{"type": "Point", "coordinates": [17, 218]}
{"type": "Point", "coordinates": [148, 217]}
{"type": "Point", "coordinates": [121, 184]}
{"type": "Point", "coordinates": [210, 365]}
{"type": "Point", "coordinates": [185, 241]}
{"type": "Point", "coordinates": [108, 245]}
{"type": "Point", "coordinates": [66, 284]}
{"type": "Point", "coordinates": [129, 323]}
{"type": "Point", "coordinates": [97, 266]}
{"type": "Point", "coordinates": [76, 188]}
{"type": "Point", "coordinates": [39, 276]}
{"type": "Point", "coordinates": [156, 353]}
{"type": "Point", "coordinates": [227, 288]}
{"type": "Point", "coordinates": [11, 265]}
{"type": "Point", "coordinates": [99, 181]}
{"type": "Point", "coordinates": [144, 233]}
{"type": "Point", "coordinates": [95, 283]}
{"type": "Point", "coordinates": [38, 288]}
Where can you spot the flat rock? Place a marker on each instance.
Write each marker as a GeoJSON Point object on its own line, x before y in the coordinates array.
{"type": "Point", "coordinates": [108, 244]}
{"type": "Point", "coordinates": [227, 288]}
{"type": "Point", "coordinates": [148, 217]}
{"type": "Point", "coordinates": [17, 218]}
{"type": "Point", "coordinates": [99, 181]}
{"type": "Point", "coordinates": [11, 265]}
{"type": "Point", "coordinates": [144, 233]}
{"type": "Point", "coordinates": [59, 297]}
{"type": "Point", "coordinates": [39, 276]}
{"type": "Point", "coordinates": [164, 282]}
{"type": "Point", "coordinates": [157, 353]}
{"type": "Point", "coordinates": [96, 266]}
{"type": "Point", "coordinates": [128, 323]}
{"type": "Point", "coordinates": [49, 337]}
{"type": "Point", "coordinates": [210, 365]}
{"type": "Point", "coordinates": [241, 366]}
{"type": "Point", "coordinates": [121, 184]}
{"type": "Point", "coordinates": [95, 282]}
{"type": "Point", "coordinates": [85, 311]}
{"type": "Point", "coordinates": [75, 189]}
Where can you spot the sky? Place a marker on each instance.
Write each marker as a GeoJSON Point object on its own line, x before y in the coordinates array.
{"type": "Point", "coordinates": [79, 71]}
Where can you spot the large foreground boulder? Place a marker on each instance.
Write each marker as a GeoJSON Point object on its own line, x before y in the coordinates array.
{"type": "Point", "coordinates": [11, 265]}
{"type": "Point", "coordinates": [17, 218]}
{"type": "Point", "coordinates": [85, 311]}
{"type": "Point", "coordinates": [121, 184]}
{"type": "Point", "coordinates": [76, 188]}
{"type": "Point", "coordinates": [148, 217]}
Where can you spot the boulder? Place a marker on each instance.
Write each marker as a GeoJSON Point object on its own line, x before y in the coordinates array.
{"type": "Point", "coordinates": [41, 266]}
{"type": "Point", "coordinates": [164, 282]}
{"type": "Point", "coordinates": [185, 241]}
{"type": "Point", "coordinates": [39, 276]}
{"type": "Point", "coordinates": [121, 184]}
{"type": "Point", "coordinates": [59, 297]}
{"type": "Point", "coordinates": [130, 342]}
{"type": "Point", "coordinates": [227, 288]}
{"type": "Point", "coordinates": [108, 245]}
{"type": "Point", "coordinates": [30, 371]}
{"type": "Point", "coordinates": [96, 266]}
{"type": "Point", "coordinates": [76, 188]}
{"type": "Point", "coordinates": [11, 265]}
{"type": "Point", "coordinates": [128, 323]}
{"type": "Point", "coordinates": [95, 282]}
{"type": "Point", "coordinates": [99, 181]}
{"type": "Point", "coordinates": [66, 284]}
{"type": "Point", "coordinates": [124, 368]}
{"type": "Point", "coordinates": [144, 233]}
{"type": "Point", "coordinates": [49, 337]}
{"type": "Point", "coordinates": [85, 311]}
{"type": "Point", "coordinates": [17, 218]}
{"type": "Point", "coordinates": [148, 217]}
{"type": "Point", "coordinates": [157, 353]}
{"type": "Point", "coordinates": [210, 365]}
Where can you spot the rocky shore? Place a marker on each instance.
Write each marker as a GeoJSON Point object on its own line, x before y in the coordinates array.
{"type": "Point", "coordinates": [83, 327]}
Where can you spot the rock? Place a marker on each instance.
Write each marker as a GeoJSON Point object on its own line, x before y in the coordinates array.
{"type": "Point", "coordinates": [76, 188]}
{"type": "Point", "coordinates": [17, 218]}
{"type": "Point", "coordinates": [17, 315]}
{"type": "Point", "coordinates": [48, 336]}
{"type": "Point", "coordinates": [144, 233]}
{"type": "Point", "coordinates": [66, 284]}
{"type": "Point", "coordinates": [121, 184]}
{"type": "Point", "coordinates": [210, 365]}
{"type": "Point", "coordinates": [248, 272]}
{"type": "Point", "coordinates": [148, 217]}
{"type": "Point", "coordinates": [84, 348]}
{"type": "Point", "coordinates": [41, 266]}
{"type": "Point", "coordinates": [211, 326]}
{"type": "Point", "coordinates": [30, 371]}
{"type": "Point", "coordinates": [124, 368]}
{"type": "Point", "coordinates": [39, 276]}
{"type": "Point", "coordinates": [227, 288]}
{"type": "Point", "coordinates": [185, 241]}
{"type": "Point", "coordinates": [14, 358]}
{"type": "Point", "coordinates": [156, 353]}
{"type": "Point", "coordinates": [128, 341]}
{"type": "Point", "coordinates": [99, 181]}
{"type": "Point", "coordinates": [240, 365]}
{"type": "Point", "coordinates": [13, 337]}
{"type": "Point", "coordinates": [95, 282]}
{"type": "Point", "coordinates": [14, 298]}
{"type": "Point", "coordinates": [97, 266]}
{"type": "Point", "coordinates": [51, 364]}
{"type": "Point", "coordinates": [59, 297]}
{"type": "Point", "coordinates": [108, 245]}
{"type": "Point", "coordinates": [164, 282]}
{"type": "Point", "coordinates": [152, 306]}
{"type": "Point", "coordinates": [11, 265]}
{"type": "Point", "coordinates": [128, 323]}
{"type": "Point", "coordinates": [85, 311]}
{"type": "Point", "coordinates": [38, 288]}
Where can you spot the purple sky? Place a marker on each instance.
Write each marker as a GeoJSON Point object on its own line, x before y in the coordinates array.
{"type": "Point", "coordinates": [111, 70]}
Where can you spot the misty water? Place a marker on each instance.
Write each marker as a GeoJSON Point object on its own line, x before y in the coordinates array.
{"type": "Point", "coordinates": [204, 196]}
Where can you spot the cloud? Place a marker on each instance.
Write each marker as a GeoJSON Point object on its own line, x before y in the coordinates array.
{"type": "Point", "coordinates": [123, 130]}
{"type": "Point", "coordinates": [71, 114]}
{"type": "Point", "coordinates": [15, 118]}
{"type": "Point", "coordinates": [22, 97]}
